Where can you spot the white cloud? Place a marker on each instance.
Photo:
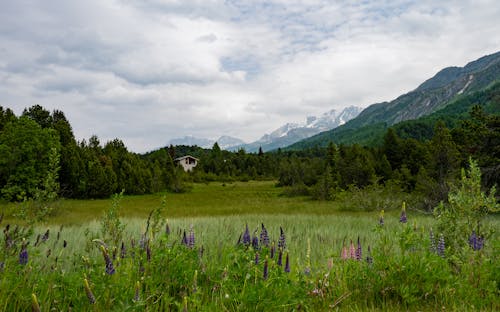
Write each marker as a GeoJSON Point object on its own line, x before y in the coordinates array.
{"type": "Point", "coordinates": [149, 71]}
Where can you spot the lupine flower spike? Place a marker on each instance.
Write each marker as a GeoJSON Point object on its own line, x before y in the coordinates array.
{"type": "Point", "coordinates": [246, 237]}
{"type": "Point", "coordinates": [109, 264]}
{"type": "Point", "coordinates": [255, 241]}
{"type": "Point", "coordinates": [190, 241]}
{"type": "Point", "coordinates": [280, 257]}
{"type": "Point", "coordinates": [272, 251]}
{"type": "Point", "coordinates": [352, 251]}
{"type": "Point", "coordinates": [403, 218]}
{"type": "Point", "coordinates": [23, 255]}
{"type": "Point", "coordinates": [432, 247]}
{"type": "Point", "coordinates": [344, 254]}
{"type": "Point", "coordinates": [282, 240]}
{"type": "Point", "coordinates": [88, 291]}
{"type": "Point", "coordinates": [35, 307]}
{"type": "Point", "coordinates": [184, 238]}
{"type": "Point", "coordinates": [358, 251]}
{"type": "Point", "coordinates": [264, 236]}
{"type": "Point", "coordinates": [441, 246]}
{"type": "Point", "coordinates": [266, 269]}
{"type": "Point", "coordinates": [287, 264]}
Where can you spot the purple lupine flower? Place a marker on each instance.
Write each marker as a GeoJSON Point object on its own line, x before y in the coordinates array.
{"type": "Point", "coordinates": [184, 238]}
{"type": "Point", "coordinates": [280, 257]}
{"type": "Point", "coordinates": [403, 218]}
{"type": "Point", "coordinates": [109, 263]}
{"type": "Point", "coordinates": [358, 251]}
{"type": "Point", "coordinates": [473, 240]}
{"type": "Point", "coordinates": [264, 236]}
{"type": "Point", "coordinates": [282, 239]}
{"type": "Point", "coordinates": [123, 251]}
{"type": "Point", "coordinates": [256, 258]}
{"type": "Point", "coordinates": [246, 237]}
{"type": "Point", "coordinates": [190, 239]}
{"type": "Point", "coordinates": [266, 269]}
{"type": "Point", "coordinates": [369, 258]}
{"type": "Point", "coordinates": [255, 241]}
{"type": "Point", "coordinates": [480, 243]}
{"type": "Point", "coordinates": [287, 264]}
{"type": "Point", "coordinates": [45, 236]}
{"type": "Point", "coordinates": [272, 251]}
{"type": "Point", "coordinates": [441, 246]}
{"type": "Point", "coordinates": [432, 247]}
{"type": "Point", "coordinates": [88, 291]}
{"type": "Point", "coordinates": [23, 255]}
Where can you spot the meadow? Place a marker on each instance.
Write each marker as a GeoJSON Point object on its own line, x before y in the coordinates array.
{"type": "Point", "coordinates": [190, 252]}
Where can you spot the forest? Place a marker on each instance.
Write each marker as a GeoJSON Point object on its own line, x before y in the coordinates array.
{"type": "Point", "coordinates": [41, 159]}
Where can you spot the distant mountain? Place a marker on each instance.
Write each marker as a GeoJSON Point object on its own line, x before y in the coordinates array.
{"type": "Point", "coordinates": [224, 141]}
{"type": "Point", "coordinates": [294, 132]}
{"type": "Point", "coordinates": [432, 95]}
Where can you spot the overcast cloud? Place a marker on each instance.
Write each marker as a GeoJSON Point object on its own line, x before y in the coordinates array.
{"type": "Point", "coordinates": [149, 71]}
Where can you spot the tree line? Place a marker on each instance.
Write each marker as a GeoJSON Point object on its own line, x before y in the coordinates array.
{"type": "Point", "coordinates": [39, 156]}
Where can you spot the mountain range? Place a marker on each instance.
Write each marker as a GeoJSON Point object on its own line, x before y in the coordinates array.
{"type": "Point", "coordinates": [283, 136]}
{"type": "Point", "coordinates": [431, 96]}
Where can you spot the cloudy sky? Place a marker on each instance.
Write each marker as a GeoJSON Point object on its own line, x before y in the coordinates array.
{"type": "Point", "coordinates": [147, 71]}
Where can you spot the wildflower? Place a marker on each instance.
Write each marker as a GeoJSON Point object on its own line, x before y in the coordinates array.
{"type": "Point", "coordinates": [441, 246]}
{"type": "Point", "coordinates": [246, 237]}
{"type": "Point", "coordinates": [475, 241]}
{"type": "Point", "coordinates": [190, 240]}
{"type": "Point", "coordinates": [352, 251]}
{"type": "Point", "coordinates": [109, 264]}
{"type": "Point", "coordinates": [287, 264]}
{"type": "Point", "coordinates": [272, 251]}
{"type": "Point", "coordinates": [403, 218]}
{"type": "Point", "coordinates": [137, 293]}
{"type": "Point", "coordinates": [266, 269]}
{"type": "Point", "coordinates": [184, 238]}
{"type": "Point", "coordinates": [45, 236]}
{"type": "Point", "coordinates": [358, 251]}
{"type": "Point", "coordinates": [344, 255]}
{"type": "Point", "coordinates": [432, 247]}
{"type": "Point", "coordinates": [264, 236]}
{"type": "Point", "coordinates": [282, 239]}
{"type": "Point", "coordinates": [88, 291]}
{"type": "Point", "coordinates": [255, 241]}
{"type": "Point", "coordinates": [23, 255]}
{"type": "Point", "coordinates": [280, 257]}
{"type": "Point", "coordinates": [381, 218]}
{"type": "Point", "coordinates": [35, 307]}
{"type": "Point", "coordinates": [369, 258]}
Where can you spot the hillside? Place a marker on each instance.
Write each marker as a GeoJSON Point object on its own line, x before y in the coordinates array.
{"type": "Point", "coordinates": [431, 96]}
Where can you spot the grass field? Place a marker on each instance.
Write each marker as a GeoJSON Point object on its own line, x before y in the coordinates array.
{"type": "Point", "coordinates": [403, 276]}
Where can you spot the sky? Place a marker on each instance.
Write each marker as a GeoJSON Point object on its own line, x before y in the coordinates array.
{"type": "Point", "coordinates": [148, 71]}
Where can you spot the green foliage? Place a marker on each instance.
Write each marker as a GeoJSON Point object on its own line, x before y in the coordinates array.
{"type": "Point", "coordinates": [112, 227]}
{"type": "Point", "coordinates": [465, 212]}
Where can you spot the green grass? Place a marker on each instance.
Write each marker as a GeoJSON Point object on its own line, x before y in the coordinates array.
{"type": "Point", "coordinates": [404, 275]}
{"type": "Point", "coordinates": [213, 199]}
